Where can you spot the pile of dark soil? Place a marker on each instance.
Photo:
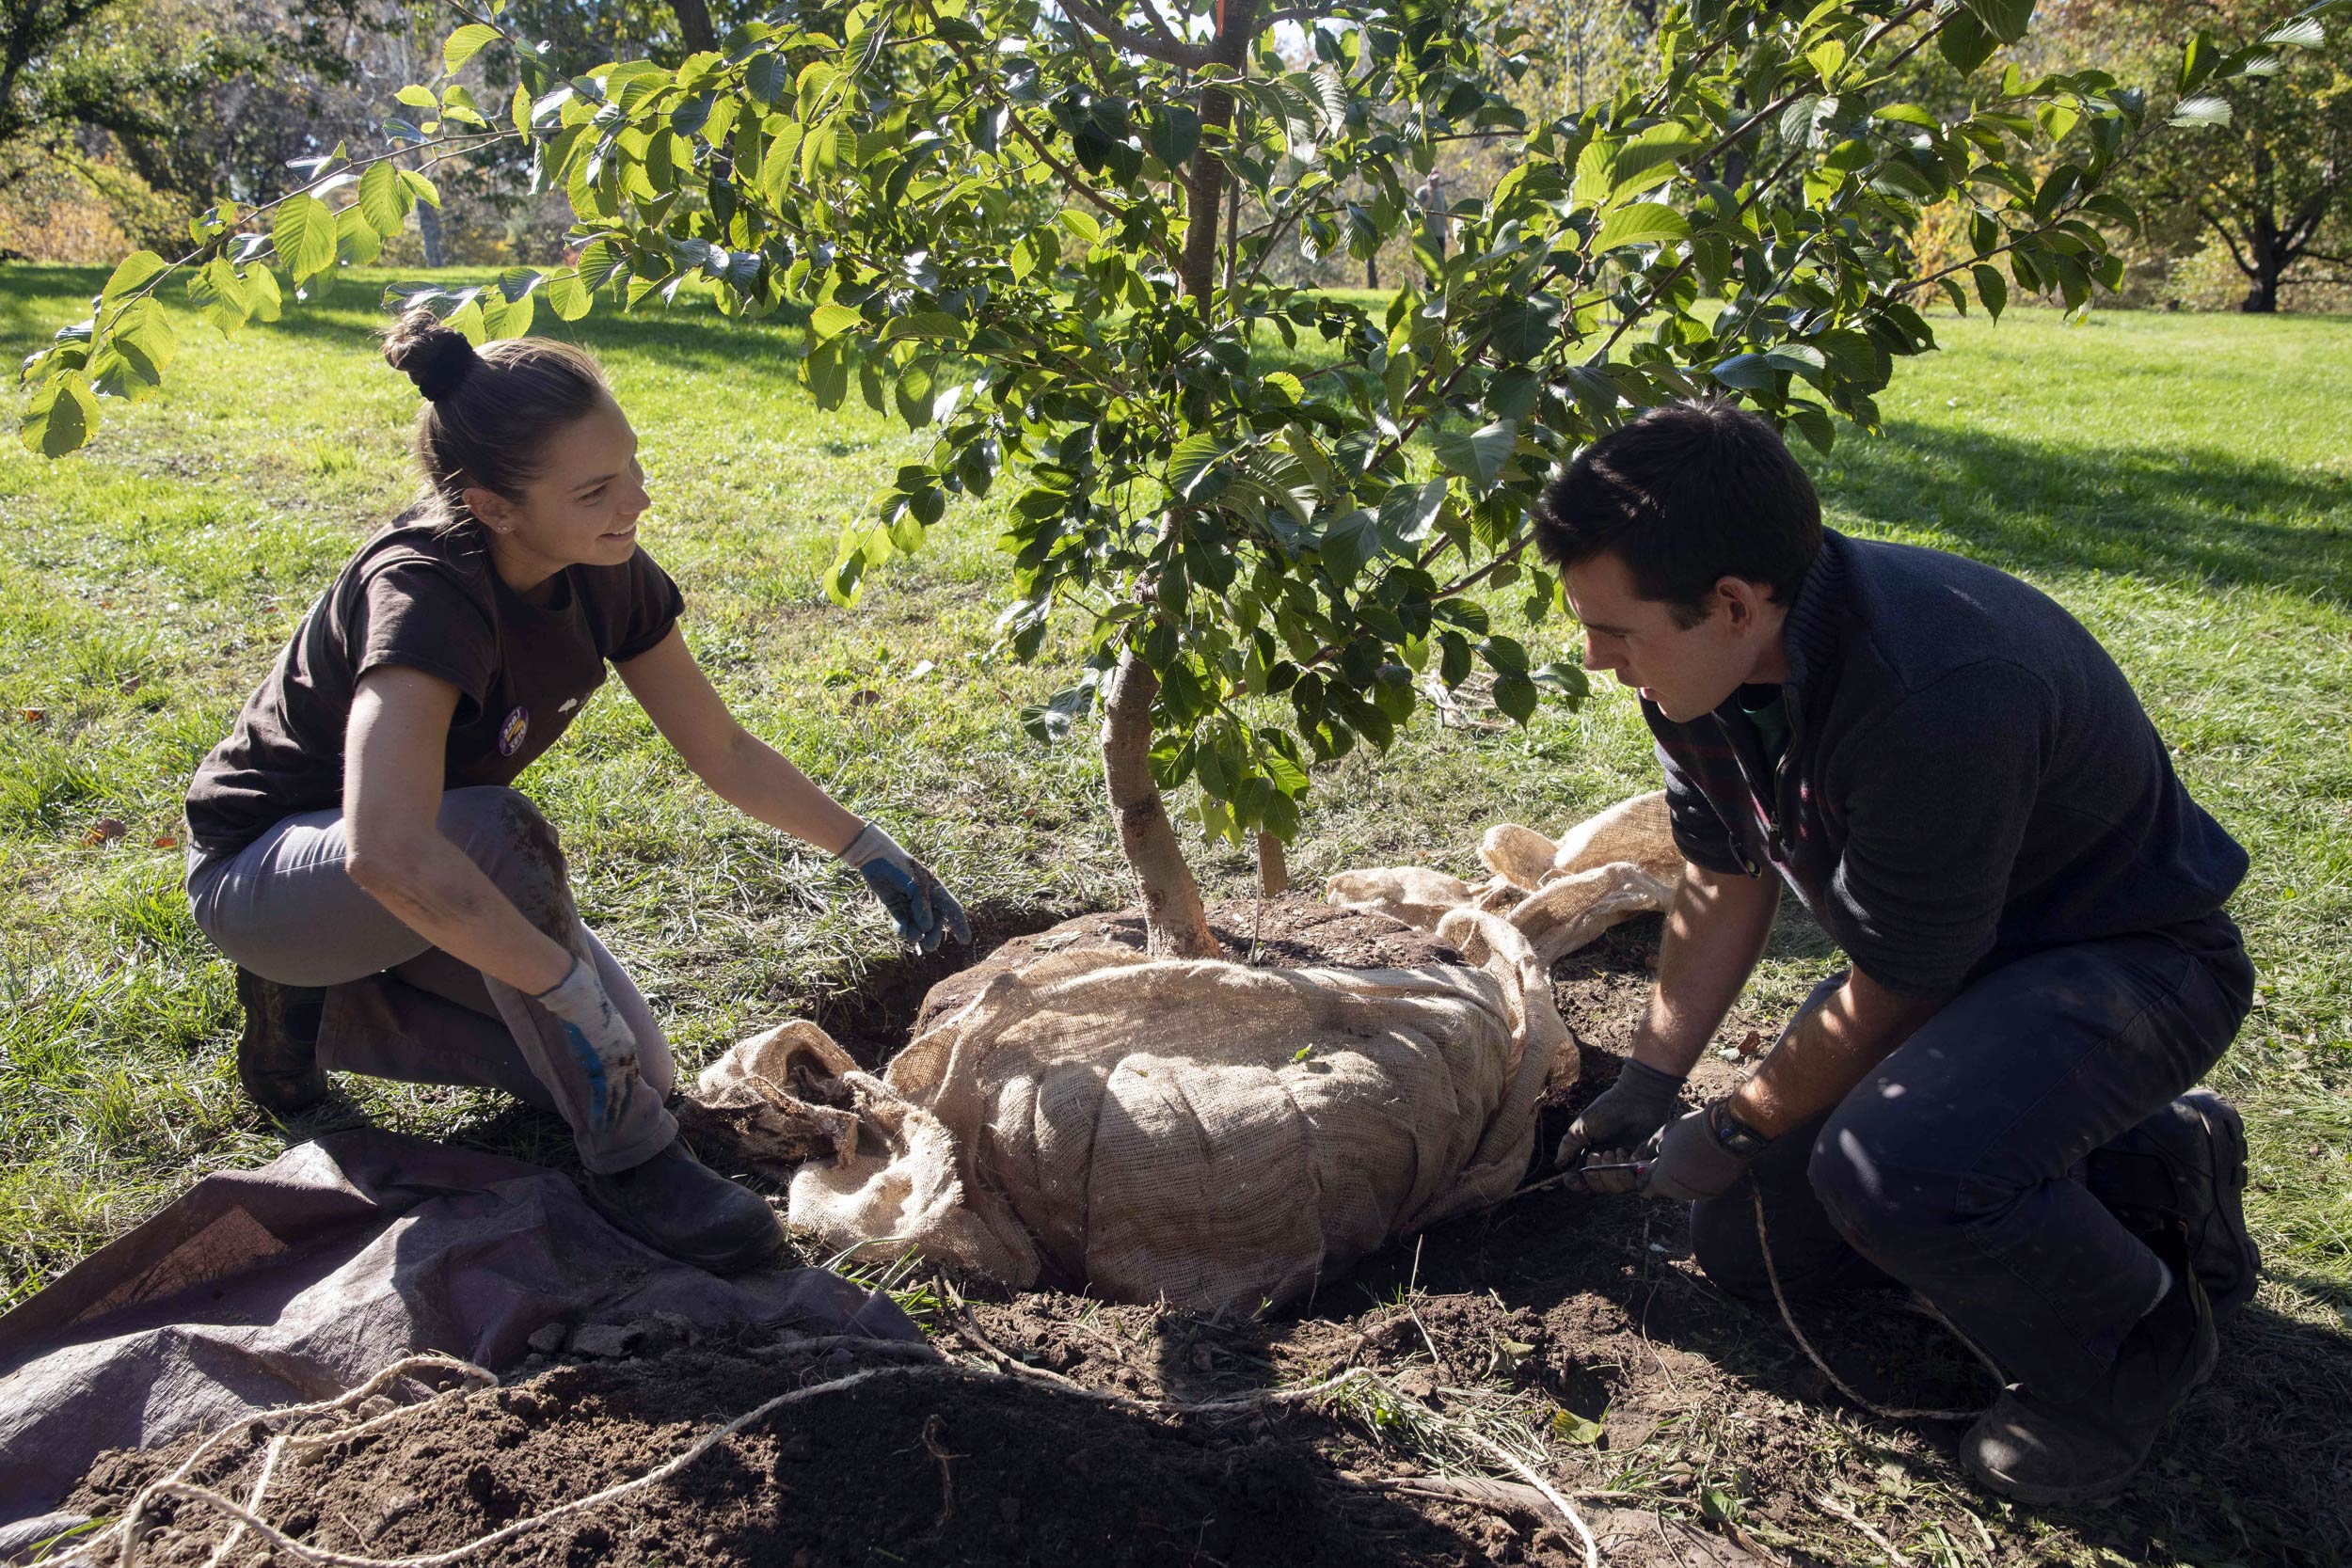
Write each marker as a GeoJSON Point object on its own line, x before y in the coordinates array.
{"type": "Point", "coordinates": [1688, 1429]}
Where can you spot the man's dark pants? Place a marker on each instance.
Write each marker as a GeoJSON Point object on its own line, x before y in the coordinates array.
{"type": "Point", "coordinates": [1967, 1164]}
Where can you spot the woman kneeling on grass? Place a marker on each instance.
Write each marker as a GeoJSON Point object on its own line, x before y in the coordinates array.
{"type": "Point", "coordinates": [393, 906]}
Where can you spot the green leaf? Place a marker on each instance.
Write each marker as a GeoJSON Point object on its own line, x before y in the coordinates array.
{"type": "Point", "coordinates": [1635, 164]}
{"type": "Point", "coordinates": [2006, 19]}
{"type": "Point", "coordinates": [131, 357]}
{"type": "Point", "coordinates": [131, 274]}
{"type": "Point", "coordinates": [1523, 329]}
{"type": "Point", "coordinates": [2205, 109]}
{"type": "Point", "coordinates": [1908, 114]}
{"type": "Point", "coordinates": [1641, 223]}
{"type": "Point", "coordinates": [2299, 32]}
{"type": "Point", "coordinates": [1478, 455]}
{"type": "Point", "coordinates": [357, 243]}
{"type": "Point", "coordinates": [1749, 372]}
{"type": "Point", "coordinates": [1517, 696]}
{"type": "Point", "coordinates": [419, 98]}
{"type": "Point", "coordinates": [304, 232]}
{"type": "Point", "coordinates": [1173, 135]}
{"type": "Point", "coordinates": [1965, 42]}
{"type": "Point", "coordinates": [1992, 288]}
{"type": "Point", "coordinates": [217, 291]}
{"type": "Point", "coordinates": [567, 296]}
{"type": "Point", "coordinates": [832, 319]}
{"type": "Point", "coordinates": [1192, 467]}
{"type": "Point", "coordinates": [764, 78]}
{"type": "Point", "coordinates": [420, 189]}
{"type": "Point", "coordinates": [61, 416]}
{"type": "Point", "coordinates": [383, 199]}
{"type": "Point", "coordinates": [465, 43]}
{"type": "Point", "coordinates": [262, 299]}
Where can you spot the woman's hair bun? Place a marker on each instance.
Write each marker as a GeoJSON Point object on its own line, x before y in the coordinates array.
{"type": "Point", "coordinates": [434, 356]}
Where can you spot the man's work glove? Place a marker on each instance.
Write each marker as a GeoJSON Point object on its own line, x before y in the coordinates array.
{"type": "Point", "coordinates": [1621, 1117]}
{"type": "Point", "coordinates": [925, 910]}
{"type": "Point", "coordinates": [603, 1045]}
{"type": "Point", "coordinates": [1701, 1155]}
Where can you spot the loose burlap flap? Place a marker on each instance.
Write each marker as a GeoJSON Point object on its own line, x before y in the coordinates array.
{"type": "Point", "coordinates": [1605, 870]}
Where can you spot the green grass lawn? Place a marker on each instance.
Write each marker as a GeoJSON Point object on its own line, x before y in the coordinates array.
{"type": "Point", "coordinates": [2180, 482]}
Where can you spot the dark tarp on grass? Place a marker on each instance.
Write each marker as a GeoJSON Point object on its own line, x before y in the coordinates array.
{"type": "Point", "coordinates": [292, 1283]}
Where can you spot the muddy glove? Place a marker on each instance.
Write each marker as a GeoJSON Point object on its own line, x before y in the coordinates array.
{"type": "Point", "coordinates": [603, 1045]}
{"type": "Point", "coordinates": [924, 911]}
{"type": "Point", "coordinates": [1704, 1154]}
{"type": "Point", "coordinates": [1620, 1118]}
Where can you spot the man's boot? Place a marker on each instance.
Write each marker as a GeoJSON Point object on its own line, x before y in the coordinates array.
{"type": "Point", "coordinates": [676, 1204]}
{"type": "Point", "coordinates": [2043, 1452]}
{"type": "Point", "coordinates": [278, 1054]}
{"type": "Point", "coordinates": [2184, 1169]}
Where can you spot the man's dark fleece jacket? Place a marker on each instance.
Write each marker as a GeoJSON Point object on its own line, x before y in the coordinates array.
{"type": "Point", "coordinates": [1967, 778]}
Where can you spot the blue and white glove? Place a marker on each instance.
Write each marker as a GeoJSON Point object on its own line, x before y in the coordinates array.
{"type": "Point", "coordinates": [603, 1045]}
{"type": "Point", "coordinates": [924, 912]}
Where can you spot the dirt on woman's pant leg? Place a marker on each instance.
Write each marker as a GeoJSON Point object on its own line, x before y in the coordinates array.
{"type": "Point", "coordinates": [518, 848]}
{"type": "Point", "coordinates": [396, 1008]}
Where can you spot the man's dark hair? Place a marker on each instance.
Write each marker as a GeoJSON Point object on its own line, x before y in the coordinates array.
{"type": "Point", "coordinates": [1684, 496]}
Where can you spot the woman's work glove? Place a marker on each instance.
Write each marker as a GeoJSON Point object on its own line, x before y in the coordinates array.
{"type": "Point", "coordinates": [1621, 1117]}
{"type": "Point", "coordinates": [925, 910]}
{"type": "Point", "coordinates": [1701, 1155]}
{"type": "Point", "coordinates": [603, 1045]}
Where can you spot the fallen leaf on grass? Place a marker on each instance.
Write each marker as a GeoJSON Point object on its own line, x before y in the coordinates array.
{"type": "Point", "coordinates": [34, 715]}
{"type": "Point", "coordinates": [1752, 1045]}
{"type": "Point", "coordinates": [104, 830]}
{"type": "Point", "coordinates": [1574, 1428]}
{"type": "Point", "coordinates": [166, 841]}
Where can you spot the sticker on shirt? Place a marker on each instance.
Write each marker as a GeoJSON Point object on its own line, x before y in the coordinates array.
{"type": "Point", "coordinates": [511, 732]}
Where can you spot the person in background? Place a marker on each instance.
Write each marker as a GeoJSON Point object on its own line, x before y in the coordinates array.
{"type": "Point", "coordinates": [394, 904]}
{"type": "Point", "coordinates": [1994, 1104]}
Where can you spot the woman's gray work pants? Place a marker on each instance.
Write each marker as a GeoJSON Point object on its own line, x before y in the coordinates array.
{"type": "Point", "coordinates": [397, 1007]}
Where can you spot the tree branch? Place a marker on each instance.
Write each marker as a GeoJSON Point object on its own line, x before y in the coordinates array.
{"type": "Point", "coordinates": [2228, 239]}
{"type": "Point", "coordinates": [1167, 49]}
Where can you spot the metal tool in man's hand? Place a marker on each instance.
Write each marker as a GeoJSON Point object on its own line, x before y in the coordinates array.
{"type": "Point", "coordinates": [1636, 1166]}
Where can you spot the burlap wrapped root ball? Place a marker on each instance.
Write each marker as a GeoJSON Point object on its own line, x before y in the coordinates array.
{"type": "Point", "coordinates": [1199, 1132]}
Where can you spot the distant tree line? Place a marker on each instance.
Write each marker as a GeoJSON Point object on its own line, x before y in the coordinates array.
{"type": "Point", "coordinates": [121, 119]}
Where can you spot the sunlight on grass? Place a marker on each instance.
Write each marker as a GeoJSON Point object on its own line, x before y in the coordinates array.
{"type": "Point", "coordinates": [2177, 481]}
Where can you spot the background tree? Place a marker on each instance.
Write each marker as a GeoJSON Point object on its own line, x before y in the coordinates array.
{"type": "Point", "coordinates": [2266, 174]}
{"type": "Point", "coordinates": [1277, 514]}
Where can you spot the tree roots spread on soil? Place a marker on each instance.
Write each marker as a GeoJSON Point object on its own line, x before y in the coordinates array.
{"type": "Point", "coordinates": [122, 1540]}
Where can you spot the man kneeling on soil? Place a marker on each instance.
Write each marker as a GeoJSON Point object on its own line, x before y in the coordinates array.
{"type": "Point", "coordinates": [1993, 1105]}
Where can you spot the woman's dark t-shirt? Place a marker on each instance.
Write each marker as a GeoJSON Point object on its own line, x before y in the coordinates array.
{"type": "Point", "coordinates": [425, 600]}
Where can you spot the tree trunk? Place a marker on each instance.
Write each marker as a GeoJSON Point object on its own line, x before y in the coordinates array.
{"type": "Point", "coordinates": [1273, 867]}
{"type": "Point", "coordinates": [1237, 23]}
{"type": "Point", "coordinates": [1172, 912]}
{"type": "Point", "coordinates": [693, 24]}
{"type": "Point", "coordinates": [429, 233]}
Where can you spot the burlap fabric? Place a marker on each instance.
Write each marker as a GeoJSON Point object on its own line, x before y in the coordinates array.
{"type": "Point", "coordinates": [1204, 1133]}
{"type": "Point", "coordinates": [1560, 895]}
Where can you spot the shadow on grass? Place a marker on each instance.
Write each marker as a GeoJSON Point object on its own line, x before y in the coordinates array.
{"type": "Point", "coordinates": [2183, 516]}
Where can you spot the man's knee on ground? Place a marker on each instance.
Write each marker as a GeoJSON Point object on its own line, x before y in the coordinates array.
{"type": "Point", "coordinates": [504, 833]}
{"type": "Point", "coordinates": [1885, 1196]}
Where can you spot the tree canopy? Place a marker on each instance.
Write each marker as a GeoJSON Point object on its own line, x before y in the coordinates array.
{"type": "Point", "coordinates": [1042, 236]}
